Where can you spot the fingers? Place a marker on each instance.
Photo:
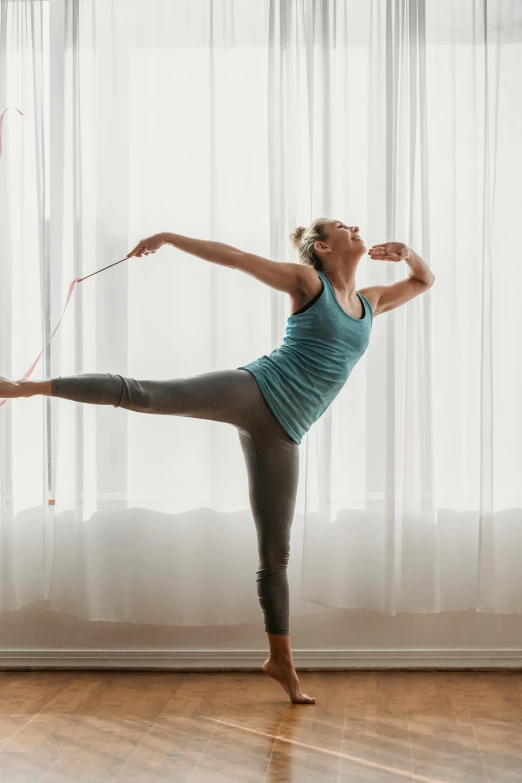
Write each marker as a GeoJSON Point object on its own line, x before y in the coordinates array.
{"type": "Point", "coordinates": [387, 257]}
{"type": "Point", "coordinates": [381, 255]}
{"type": "Point", "coordinates": [140, 250]}
{"type": "Point", "coordinates": [134, 251]}
{"type": "Point", "coordinates": [383, 252]}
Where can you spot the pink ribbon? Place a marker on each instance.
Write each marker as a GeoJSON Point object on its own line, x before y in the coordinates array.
{"type": "Point", "coordinates": [2, 123]}
{"type": "Point", "coordinates": [71, 288]}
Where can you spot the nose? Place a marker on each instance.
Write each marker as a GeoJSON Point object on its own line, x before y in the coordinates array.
{"type": "Point", "coordinates": [355, 229]}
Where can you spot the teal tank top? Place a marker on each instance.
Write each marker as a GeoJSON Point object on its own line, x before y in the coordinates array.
{"type": "Point", "coordinates": [321, 346]}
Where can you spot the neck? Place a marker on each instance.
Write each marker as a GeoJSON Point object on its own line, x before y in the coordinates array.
{"type": "Point", "coordinates": [342, 277]}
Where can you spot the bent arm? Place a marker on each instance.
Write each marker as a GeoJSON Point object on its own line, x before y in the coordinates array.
{"type": "Point", "coordinates": [419, 269]}
{"type": "Point", "coordinates": [282, 276]}
{"type": "Point", "coordinates": [384, 298]}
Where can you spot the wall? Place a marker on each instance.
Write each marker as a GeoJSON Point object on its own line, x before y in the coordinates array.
{"type": "Point", "coordinates": [336, 638]}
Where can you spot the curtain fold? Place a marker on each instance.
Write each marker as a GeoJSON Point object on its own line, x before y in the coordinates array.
{"type": "Point", "coordinates": [24, 218]}
{"type": "Point", "coordinates": [237, 122]}
{"type": "Point", "coordinates": [430, 495]}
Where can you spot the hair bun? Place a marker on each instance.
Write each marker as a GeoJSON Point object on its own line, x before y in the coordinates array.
{"type": "Point", "coordinates": [296, 236]}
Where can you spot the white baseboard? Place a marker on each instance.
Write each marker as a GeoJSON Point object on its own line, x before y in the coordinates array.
{"type": "Point", "coordinates": [253, 659]}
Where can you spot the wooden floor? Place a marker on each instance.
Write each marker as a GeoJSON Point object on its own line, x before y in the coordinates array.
{"type": "Point", "coordinates": [145, 727]}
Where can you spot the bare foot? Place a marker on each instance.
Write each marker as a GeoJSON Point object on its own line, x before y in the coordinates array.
{"type": "Point", "coordinates": [286, 676]}
{"type": "Point", "coordinates": [9, 389]}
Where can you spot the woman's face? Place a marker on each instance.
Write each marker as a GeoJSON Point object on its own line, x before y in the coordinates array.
{"type": "Point", "coordinates": [345, 239]}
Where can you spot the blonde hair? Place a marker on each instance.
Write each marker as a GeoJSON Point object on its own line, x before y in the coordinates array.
{"type": "Point", "coordinates": [304, 239]}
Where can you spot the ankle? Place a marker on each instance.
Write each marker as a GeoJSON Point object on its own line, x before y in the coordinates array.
{"type": "Point", "coordinates": [24, 389]}
{"type": "Point", "coordinates": [282, 659]}
{"type": "Point", "coordinates": [32, 388]}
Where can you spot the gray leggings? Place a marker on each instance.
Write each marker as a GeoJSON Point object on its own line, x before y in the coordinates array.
{"type": "Point", "coordinates": [271, 456]}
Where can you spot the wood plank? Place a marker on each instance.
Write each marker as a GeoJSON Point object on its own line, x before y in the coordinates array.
{"type": "Point", "coordinates": [147, 727]}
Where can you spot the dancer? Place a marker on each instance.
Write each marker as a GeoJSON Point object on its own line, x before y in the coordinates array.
{"type": "Point", "coordinates": [273, 401]}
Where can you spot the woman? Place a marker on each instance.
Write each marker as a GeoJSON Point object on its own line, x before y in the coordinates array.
{"type": "Point", "coordinates": [274, 400]}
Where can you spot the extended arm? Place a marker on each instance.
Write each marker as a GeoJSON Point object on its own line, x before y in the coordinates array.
{"type": "Point", "coordinates": [280, 275]}
{"type": "Point", "coordinates": [216, 252]}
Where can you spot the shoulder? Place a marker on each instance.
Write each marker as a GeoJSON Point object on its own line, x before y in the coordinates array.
{"type": "Point", "coordinates": [371, 294]}
{"type": "Point", "coordinates": [311, 283]}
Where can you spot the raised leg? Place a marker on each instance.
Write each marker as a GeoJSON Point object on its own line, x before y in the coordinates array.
{"type": "Point", "coordinates": [230, 396]}
{"type": "Point", "coordinates": [12, 389]}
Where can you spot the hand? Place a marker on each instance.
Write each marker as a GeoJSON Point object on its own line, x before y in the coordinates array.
{"type": "Point", "coordinates": [149, 245]}
{"type": "Point", "coordinates": [389, 251]}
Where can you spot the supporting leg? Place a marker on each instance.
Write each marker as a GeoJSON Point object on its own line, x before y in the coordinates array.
{"type": "Point", "coordinates": [272, 460]}
{"type": "Point", "coordinates": [280, 648]}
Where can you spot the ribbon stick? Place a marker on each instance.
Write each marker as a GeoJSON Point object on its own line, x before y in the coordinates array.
{"type": "Point", "coordinates": [71, 288]}
{"type": "Point", "coordinates": [2, 123]}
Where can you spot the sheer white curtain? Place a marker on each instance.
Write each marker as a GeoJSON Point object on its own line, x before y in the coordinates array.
{"type": "Point", "coordinates": [238, 121]}
{"type": "Point", "coordinates": [24, 213]}
{"type": "Point", "coordinates": [411, 113]}
{"type": "Point", "coordinates": [157, 121]}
